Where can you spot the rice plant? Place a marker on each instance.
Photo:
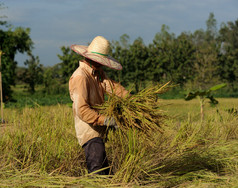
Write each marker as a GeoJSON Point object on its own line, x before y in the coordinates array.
{"type": "Point", "coordinates": [38, 148]}
{"type": "Point", "coordinates": [140, 111]}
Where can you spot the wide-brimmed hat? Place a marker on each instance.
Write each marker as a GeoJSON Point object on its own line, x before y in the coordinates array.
{"type": "Point", "coordinates": [98, 52]}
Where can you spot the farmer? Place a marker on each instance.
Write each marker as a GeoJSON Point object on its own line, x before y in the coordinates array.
{"type": "Point", "coordinates": [87, 87]}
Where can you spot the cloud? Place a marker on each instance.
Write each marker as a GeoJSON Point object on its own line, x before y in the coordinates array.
{"type": "Point", "coordinates": [55, 23]}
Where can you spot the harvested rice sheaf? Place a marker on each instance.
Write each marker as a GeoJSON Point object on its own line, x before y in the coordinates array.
{"type": "Point", "coordinates": [140, 111]}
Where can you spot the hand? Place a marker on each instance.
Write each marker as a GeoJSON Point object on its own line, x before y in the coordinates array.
{"type": "Point", "coordinates": [111, 122]}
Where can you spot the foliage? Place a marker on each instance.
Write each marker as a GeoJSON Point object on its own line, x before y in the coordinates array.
{"type": "Point", "coordinates": [132, 57]}
{"type": "Point", "coordinates": [205, 68]}
{"type": "Point", "coordinates": [171, 58]}
{"type": "Point", "coordinates": [206, 64]}
{"type": "Point", "coordinates": [192, 60]}
{"type": "Point", "coordinates": [137, 66]}
{"type": "Point", "coordinates": [52, 81]}
{"type": "Point", "coordinates": [12, 40]}
{"type": "Point", "coordinates": [69, 63]}
{"type": "Point", "coordinates": [23, 98]}
{"type": "Point", "coordinates": [204, 94]}
{"type": "Point", "coordinates": [33, 73]}
{"type": "Point", "coordinates": [229, 53]}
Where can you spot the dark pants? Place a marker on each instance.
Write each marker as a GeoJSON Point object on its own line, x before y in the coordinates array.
{"type": "Point", "coordinates": [96, 156]}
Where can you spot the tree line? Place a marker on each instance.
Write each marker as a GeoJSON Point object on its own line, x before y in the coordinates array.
{"type": "Point", "coordinates": [193, 60]}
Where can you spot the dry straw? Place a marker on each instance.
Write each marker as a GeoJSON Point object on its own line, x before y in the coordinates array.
{"type": "Point", "coordinates": [140, 111]}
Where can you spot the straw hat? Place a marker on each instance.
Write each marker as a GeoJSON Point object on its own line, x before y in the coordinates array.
{"type": "Point", "coordinates": [98, 52]}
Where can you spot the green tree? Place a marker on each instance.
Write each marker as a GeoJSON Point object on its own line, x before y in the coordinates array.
{"type": "Point", "coordinates": [211, 31]}
{"type": "Point", "coordinates": [125, 41]}
{"type": "Point", "coordinates": [229, 53]}
{"type": "Point", "coordinates": [171, 58]}
{"type": "Point", "coordinates": [137, 64]}
{"type": "Point", "coordinates": [133, 59]}
{"type": "Point", "coordinates": [184, 54]}
{"type": "Point", "coordinates": [19, 74]}
{"type": "Point", "coordinates": [12, 41]}
{"type": "Point", "coordinates": [205, 68]}
{"type": "Point", "coordinates": [158, 55]}
{"type": "Point", "coordinates": [120, 51]}
{"type": "Point", "coordinates": [52, 80]}
{"type": "Point", "coordinates": [69, 63]}
{"type": "Point", "coordinates": [34, 73]}
{"type": "Point", "coordinates": [206, 62]}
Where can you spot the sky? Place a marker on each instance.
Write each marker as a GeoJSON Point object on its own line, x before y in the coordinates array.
{"type": "Point", "coordinates": [57, 23]}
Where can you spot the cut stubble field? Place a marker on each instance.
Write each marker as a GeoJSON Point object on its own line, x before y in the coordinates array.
{"type": "Point", "coordinates": [38, 148]}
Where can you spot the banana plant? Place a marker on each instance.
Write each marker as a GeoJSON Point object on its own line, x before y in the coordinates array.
{"type": "Point", "coordinates": [202, 95]}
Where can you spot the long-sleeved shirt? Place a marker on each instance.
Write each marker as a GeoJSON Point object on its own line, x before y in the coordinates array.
{"type": "Point", "coordinates": [87, 89]}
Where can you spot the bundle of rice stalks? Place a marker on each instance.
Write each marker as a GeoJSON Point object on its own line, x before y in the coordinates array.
{"type": "Point", "coordinates": [140, 111]}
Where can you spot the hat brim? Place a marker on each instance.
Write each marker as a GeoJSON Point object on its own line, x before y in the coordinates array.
{"type": "Point", "coordinates": [103, 60]}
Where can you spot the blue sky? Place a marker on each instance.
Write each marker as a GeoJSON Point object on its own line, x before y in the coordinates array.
{"type": "Point", "coordinates": [56, 23]}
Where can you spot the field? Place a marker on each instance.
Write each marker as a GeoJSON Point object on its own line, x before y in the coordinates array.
{"type": "Point", "coordinates": [38, 148]}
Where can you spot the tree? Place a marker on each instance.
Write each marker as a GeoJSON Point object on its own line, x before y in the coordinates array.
{"type": "Point", "coordinates": [120, 51]}
{"type": "Point", "coordinates": [70, 62]}
{"type": "Point", "coordinates": [137, 65]}
{"type": "Point", "coordinates": [158, 55]}
{"type": "Point", "coordinates": [133, 59]}
{"type": "Point", "coordinates": [211, 31]}
{"type": "Point", "coordinates": [12, 40]}
{"type": "Point", "coordinates": [194, 60]}
{"type": "Point", "coordinates": [171, 58]}
{"type": "Point", "coordinates": [33, 73]}
{"type": "Point", "coordinates": [125, 41]}
{"type": "Point", "coordinates": [52, 80]}
{"type": "Point", "coordinates": [183, 51]}
{"type": "Point", "coordinates": [206, 62]}
{"type": "Point", "coordinates": [229, 53]}
{"type": "Point", "coordinates": [205, 68]}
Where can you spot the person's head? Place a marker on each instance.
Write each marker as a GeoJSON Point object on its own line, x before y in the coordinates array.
{"type": "Point", "coordinates": [92, 63]}
{"type": "Point", "coordinates": [97, 53]}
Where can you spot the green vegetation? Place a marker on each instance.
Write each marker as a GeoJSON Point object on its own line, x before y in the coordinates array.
{"type": "Point", "coordinates": [24, 98]}
{"type": "Point", "coordinates": [38, 148]}
{"type": "Point", "coordinates": [12, 41]}
{"type": "Point", "coordinates": [192, 61]}
{"type": "Point", "coordinates": [203, 95]}
{"type": "Point", "coordinates": [33, 74]}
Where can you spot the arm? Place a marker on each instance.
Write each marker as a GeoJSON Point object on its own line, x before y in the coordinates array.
{"type": "Point", "coordinates": [114, 87]}
{"type": "Point", "coordinates": [79, 91]}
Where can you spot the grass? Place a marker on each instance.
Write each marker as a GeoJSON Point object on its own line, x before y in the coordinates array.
{"type": "Point", "coordinates": [38, 148]}
{"type": "Point", "coordinates": [22, 98]}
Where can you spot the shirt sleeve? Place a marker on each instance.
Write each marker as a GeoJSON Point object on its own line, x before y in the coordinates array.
{"type": "Point", "coordinates": [79, 92]}
{"type": "Point", "coordinates": [115, 87]}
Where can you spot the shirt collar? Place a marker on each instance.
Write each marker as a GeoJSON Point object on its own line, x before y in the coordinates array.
{"type": "Point", "coordinates": [87, 67]}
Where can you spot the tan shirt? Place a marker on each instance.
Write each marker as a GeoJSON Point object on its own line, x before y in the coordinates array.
{"type": "Point", "coordinates": [86, 91]}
